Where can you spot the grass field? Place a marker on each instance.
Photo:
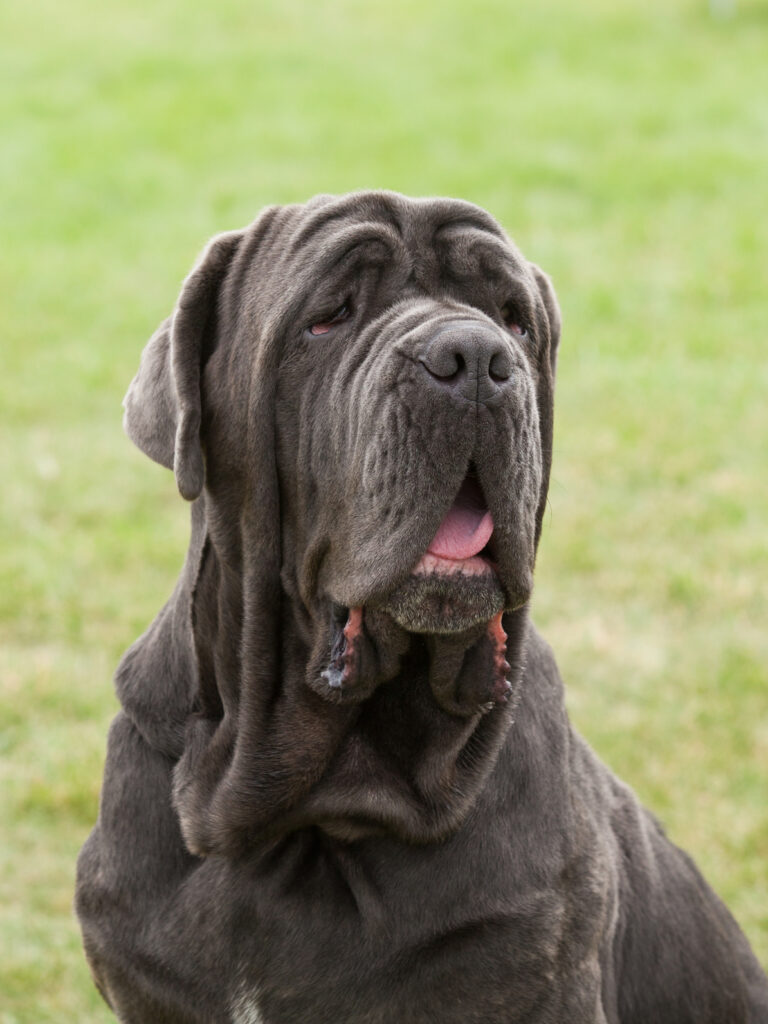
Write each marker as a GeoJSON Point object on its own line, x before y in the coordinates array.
{"type": "Point", "coordinates": [625, 147]}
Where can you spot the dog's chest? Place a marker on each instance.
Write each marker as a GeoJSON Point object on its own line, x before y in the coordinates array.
{"type": "Point", "coordinates": [339, 943]}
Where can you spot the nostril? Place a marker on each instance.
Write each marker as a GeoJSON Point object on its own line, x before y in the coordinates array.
{"type": "Point", "coordinates": [445, 366]}
{"type": "Point", "coordinates": [500, 367]}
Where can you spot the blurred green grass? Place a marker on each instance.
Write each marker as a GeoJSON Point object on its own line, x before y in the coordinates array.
{"type": "Point", "coordinates": [624, 146]}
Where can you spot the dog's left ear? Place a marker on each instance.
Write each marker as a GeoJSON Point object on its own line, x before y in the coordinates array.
{"type": "Point", "coordinates": [552, 308]}
{"type": "Point", "coordinates": [162, 406]}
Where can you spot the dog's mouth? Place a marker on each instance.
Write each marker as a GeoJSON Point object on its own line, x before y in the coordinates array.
{"type": "Point", "coordinates": [462, 541]}
{"type": "Point", "coordinates": [454, 585]}
{"type": "Point", "coordinates": [454, 590]}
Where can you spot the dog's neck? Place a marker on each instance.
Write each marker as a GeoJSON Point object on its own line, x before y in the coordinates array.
{"type": "Point", "coordinates": [427, 719]}
{"type": "Point", "coordinates": [265, 752]}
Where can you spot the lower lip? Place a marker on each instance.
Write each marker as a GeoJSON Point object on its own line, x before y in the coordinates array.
{"type": "Point", "coordinates": [474, 566]}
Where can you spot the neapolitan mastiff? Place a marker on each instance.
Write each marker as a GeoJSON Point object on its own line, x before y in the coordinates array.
{"type": "Point", "coordinates": [343, 786]}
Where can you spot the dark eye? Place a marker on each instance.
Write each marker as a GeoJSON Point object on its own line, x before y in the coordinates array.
{"type": "Point", "coordinates": [336, 317]}
{"type": "Point", "coordinates": [512, 319]}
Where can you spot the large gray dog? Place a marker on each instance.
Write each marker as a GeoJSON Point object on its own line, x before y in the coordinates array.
{"type": "Point", "coordinates": [343, 786]}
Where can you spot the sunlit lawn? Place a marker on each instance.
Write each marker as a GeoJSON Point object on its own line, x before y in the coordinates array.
{"type": "Point", "coordinates": [624, 146]}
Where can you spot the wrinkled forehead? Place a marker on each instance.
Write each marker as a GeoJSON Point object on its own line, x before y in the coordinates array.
{"type": "Point", "coordinates": [443, 235]}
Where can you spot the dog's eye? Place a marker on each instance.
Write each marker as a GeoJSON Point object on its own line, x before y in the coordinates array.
{"type": "Point", "coordinates": [511, 318]}
{"type": "Point", "coordinates": [336, 317]}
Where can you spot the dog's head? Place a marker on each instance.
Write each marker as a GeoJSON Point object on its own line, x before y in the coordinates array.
{"type": "Point", "coordinates": [358, 391]}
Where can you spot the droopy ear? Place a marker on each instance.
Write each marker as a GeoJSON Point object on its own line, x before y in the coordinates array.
{"type": "Point", "coordinates": [162, 406]}
{"type": "Point", "coordinates": [552, 307]}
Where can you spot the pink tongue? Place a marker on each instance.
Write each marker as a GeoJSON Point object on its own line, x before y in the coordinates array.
{"type": "Point", "coordinates": [467, 527]}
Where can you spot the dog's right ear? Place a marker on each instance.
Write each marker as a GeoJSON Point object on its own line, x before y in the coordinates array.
{"type": "Point", "coordinates": [162, 406]}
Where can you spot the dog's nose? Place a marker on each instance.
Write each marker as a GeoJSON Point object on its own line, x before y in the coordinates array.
{"type": "Point", "coordinates": [469, 359]}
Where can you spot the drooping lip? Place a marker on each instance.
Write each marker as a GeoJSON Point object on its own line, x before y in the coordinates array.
{"type": "Point", "coordinates": [462, 535]}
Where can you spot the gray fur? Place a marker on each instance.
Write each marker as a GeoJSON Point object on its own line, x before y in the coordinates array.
{"type": "Point", "coordinates": [312, 818]}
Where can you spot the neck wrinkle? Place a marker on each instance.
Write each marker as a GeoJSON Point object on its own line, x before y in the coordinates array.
{"type": "Point", "coordinates": [266, 754]}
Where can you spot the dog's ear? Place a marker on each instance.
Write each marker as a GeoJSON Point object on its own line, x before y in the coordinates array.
{"type": "Point", "coordinates": [552, 307]}
{"type": "Point", "coordinates": [162, 406]}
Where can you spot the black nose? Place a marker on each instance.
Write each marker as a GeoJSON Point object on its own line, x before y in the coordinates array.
{"type": "Point", "coordinates": [468, 358]}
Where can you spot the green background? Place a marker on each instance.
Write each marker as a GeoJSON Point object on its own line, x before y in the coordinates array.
{"type": "Point", "coordinates": [624, 147]}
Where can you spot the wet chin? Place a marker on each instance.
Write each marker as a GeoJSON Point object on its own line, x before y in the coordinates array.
{"type": "Point", "coordinates": [436, 603]}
